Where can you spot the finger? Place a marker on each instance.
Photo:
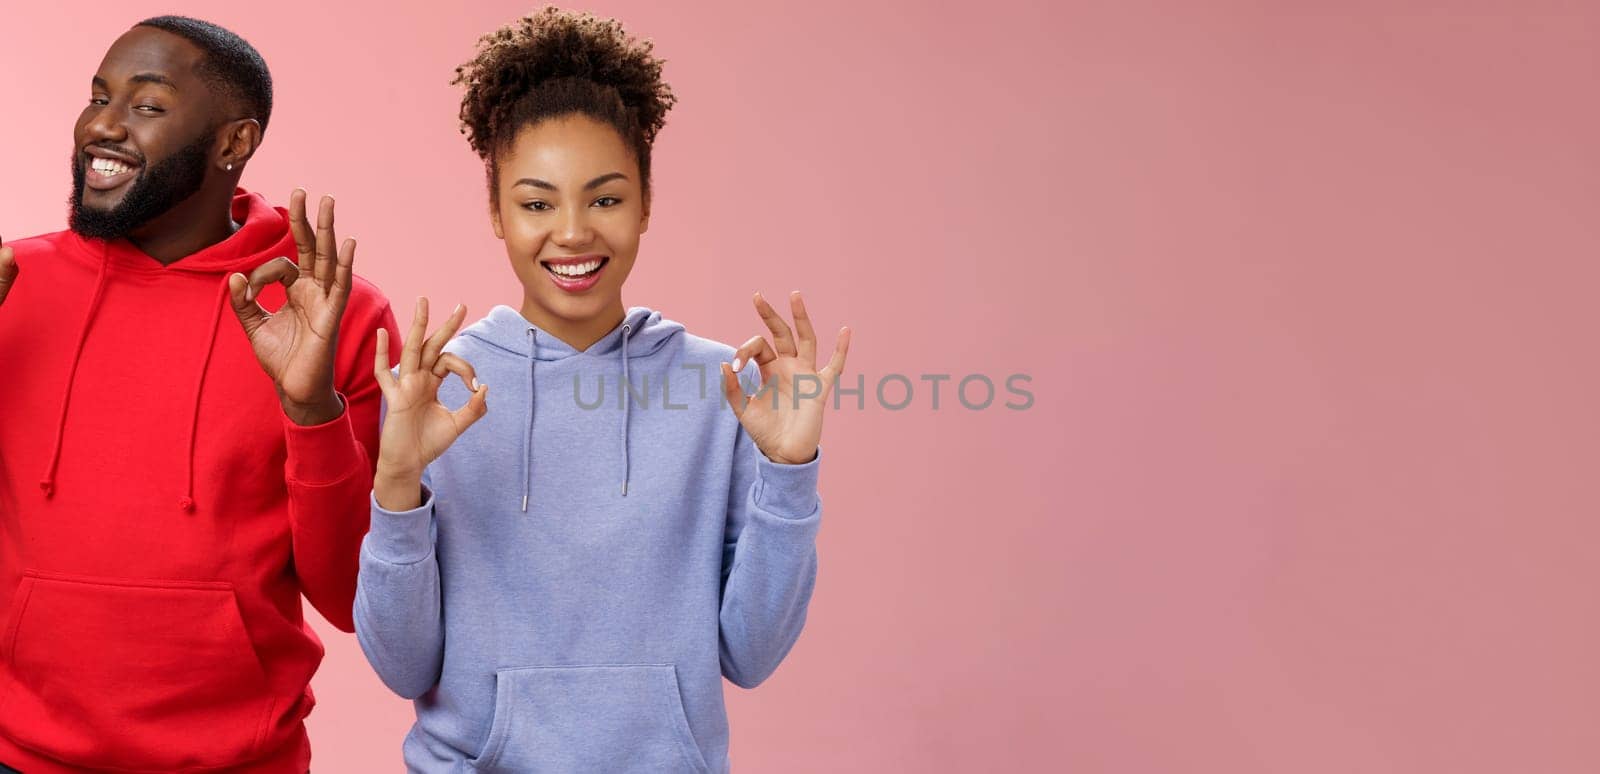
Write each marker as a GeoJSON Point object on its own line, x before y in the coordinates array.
{"type": "Point", "coordinates": [380, 364]}
{"type": "Point", "coordinates": [733, 391]}
{"type": "Point", "coordinates": [475, 408]}
{"type": "Point", "coordinates": [411, 351]}
{"type": "Point", "coordinates": [835, 367]}
{"type": "Point", "coordinates": [343, 275]}
{"type": "Point", "coordinates": [280, 270]}
{"type": "Point", "coordinates": [782, 339]}
{"type": "Point", "coordinates": [451, 363]}
{"type": "Point", "coordinates": [304, 239]}
{"type": "Point", "coordinates": [250, 313]}
{"type": "Point", "coordinates": [435, 343]}
{"type": "Point", "coordinates": [326, 252]}
{"type": "Point", "coordinates": [756, 349]}
{"type": "Point", "coordinates": [8, 270]}
{"type": "Point", "coordinates": [477, 405]}
{"type": "Point", "coordinates": [806, 346]}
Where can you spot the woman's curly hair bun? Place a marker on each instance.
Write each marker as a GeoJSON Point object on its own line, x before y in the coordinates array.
{"type": "Point", "coordinates": [557, 62]}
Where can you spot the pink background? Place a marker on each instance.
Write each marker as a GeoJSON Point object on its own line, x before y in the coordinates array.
{"type": "Point", "coordinates": [1306, 296]}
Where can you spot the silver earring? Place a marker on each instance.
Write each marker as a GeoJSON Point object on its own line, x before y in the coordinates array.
{"type": "Point", "coordinates": [230, 167]}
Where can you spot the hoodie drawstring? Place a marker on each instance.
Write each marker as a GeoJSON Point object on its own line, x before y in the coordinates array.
{"type": "Point", "coordinates": [186, 502]}
{"type": "Point", "coordinates": [48, 483]}
{"type": "Point", "coordinates": [527, 449]}
{"type": "Point", "coordinates": [627, 403]}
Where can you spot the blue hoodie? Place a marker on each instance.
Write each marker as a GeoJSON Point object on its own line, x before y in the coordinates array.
{"type": "Point", "coordinates": [584, 570]}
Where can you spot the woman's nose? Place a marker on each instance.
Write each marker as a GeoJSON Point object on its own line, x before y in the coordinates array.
{"type": "Point", "coordinates": [574, 229]}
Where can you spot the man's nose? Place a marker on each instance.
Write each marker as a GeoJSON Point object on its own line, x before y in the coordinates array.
{"type": "Point", "coordinates": [106, 125]}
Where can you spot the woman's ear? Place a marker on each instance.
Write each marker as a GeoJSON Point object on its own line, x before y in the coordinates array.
{"type": "Point", "coordinates": [494, 218]}
{"type": "Point", "coordinates": [644, 216]}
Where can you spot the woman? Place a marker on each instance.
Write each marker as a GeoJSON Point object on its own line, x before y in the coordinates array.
{"type": "Point", "coordinates": [563, 586]}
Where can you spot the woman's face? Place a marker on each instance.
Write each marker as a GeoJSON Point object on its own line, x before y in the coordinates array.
{"type": "Point", "coordinates": [570, 210]}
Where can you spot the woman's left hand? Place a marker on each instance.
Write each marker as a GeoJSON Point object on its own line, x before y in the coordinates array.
{"type": "Point", "coordinates": [785, 417]}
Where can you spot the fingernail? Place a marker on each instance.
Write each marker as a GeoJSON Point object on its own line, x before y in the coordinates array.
{"type": "Point", "coordinates": [736, 363]}
{"type": "Point", "coordinates": [475, 385]}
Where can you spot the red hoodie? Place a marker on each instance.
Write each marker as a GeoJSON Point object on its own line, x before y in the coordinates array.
{"type": "Point", "coordinates": [160, 516]}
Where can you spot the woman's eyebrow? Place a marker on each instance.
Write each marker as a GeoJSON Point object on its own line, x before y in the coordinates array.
{"type": "Point", "coordinates": [603, 179]}
{"type": "Point", "coordinates": [592, 184]}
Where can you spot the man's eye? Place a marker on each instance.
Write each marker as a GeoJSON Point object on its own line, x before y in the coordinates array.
{"type": "Point", "coordinates": [99, 101]}
{"type": "Point", "coordinates": [608, 201]}
{"type": "Point", "coordinates": [150, 109]}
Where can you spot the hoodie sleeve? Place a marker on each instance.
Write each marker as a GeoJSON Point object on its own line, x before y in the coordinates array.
{"type": "Point", "coordinates": [398, 617]}
{"type": "Point", "coordinates": [329, 471]}
{"type": "Point", "coordinates": [769, 561]}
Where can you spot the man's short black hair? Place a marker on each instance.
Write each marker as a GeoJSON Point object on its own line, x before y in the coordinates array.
{"type": "Point", "coordinates": [231, 66]}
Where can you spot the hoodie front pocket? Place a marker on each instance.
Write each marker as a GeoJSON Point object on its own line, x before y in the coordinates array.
{"type": "Point", "coordinates": [128, 674]}
{"type": "Point", "coordinates": [612, 718]}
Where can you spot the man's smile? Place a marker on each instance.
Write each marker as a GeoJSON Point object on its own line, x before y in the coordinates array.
{"type": "Point", "coordinates": [105, 169]}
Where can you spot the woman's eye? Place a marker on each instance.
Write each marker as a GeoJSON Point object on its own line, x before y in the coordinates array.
{"type": "Point", "coordinates": [536, 205]}
{"type": "Point", "coordinates": [608, 201]}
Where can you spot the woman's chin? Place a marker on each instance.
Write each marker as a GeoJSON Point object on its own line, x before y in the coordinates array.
{"type": "Point", "coordinates": [572, 308]}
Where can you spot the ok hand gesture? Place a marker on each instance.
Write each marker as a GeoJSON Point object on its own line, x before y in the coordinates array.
{"type": "Point", "coordinates": [296, 344]}
{"type": "Point", "coordinates": [417, 428]}
{"type": "Point", "coordinates": [787, 424]}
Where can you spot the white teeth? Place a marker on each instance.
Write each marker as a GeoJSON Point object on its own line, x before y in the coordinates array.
{"type": "Point", "coordinates": [574, 270]}
{"type": "Point", "coordinates": [109, 167]}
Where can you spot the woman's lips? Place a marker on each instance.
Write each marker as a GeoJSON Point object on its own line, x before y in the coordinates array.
{"type": "Point", "coordinates": [576, 283]}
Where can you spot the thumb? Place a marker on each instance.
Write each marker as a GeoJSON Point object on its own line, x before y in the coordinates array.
{"type": "Point", "coordinates": [475, 409]}
{"type": "Point", "coordinates": [251, 314]}
{"type": "Point", "coordinates": [8, 271]}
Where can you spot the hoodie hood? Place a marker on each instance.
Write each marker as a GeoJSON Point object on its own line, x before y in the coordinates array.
{"type": "Point", "coordinates": [644, 329]}
{"type": "Point", "coordinates": [642, 332]}
{"type": "Point", "coordinates": [263, 235]}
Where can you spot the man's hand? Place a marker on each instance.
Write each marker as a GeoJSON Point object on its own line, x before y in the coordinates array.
{"type": "Point", "coordinates": [8, 271]}
{"type": "Point", "coordinates": [296, 344]}
{"type": "Point", "coordinates": [786, 424]}
{"type": "Point", "coordinates": [417, 428]}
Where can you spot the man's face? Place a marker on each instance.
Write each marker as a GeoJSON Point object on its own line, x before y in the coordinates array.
{"type": "Point", "coordinates": [143, 143]}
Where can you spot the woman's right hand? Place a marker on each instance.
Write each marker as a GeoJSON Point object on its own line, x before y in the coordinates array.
{"type": "Point", "coordinates": [8, 271]}
{"type": "Point", "coordinates": [417, 428]}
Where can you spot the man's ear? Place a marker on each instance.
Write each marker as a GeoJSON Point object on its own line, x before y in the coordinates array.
{"type": "Point", "coordinates": [239, 140]}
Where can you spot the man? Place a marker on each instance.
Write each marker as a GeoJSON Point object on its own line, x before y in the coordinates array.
{"type": "Point", "coordinates": [171, 481]}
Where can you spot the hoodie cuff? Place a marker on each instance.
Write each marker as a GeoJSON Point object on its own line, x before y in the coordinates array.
{"type": "Point", "coordinates": [789, 491]}
{"type": "Point", "coordinates": [322, 454]}
{"type": "Point", "coordinates": [401, 537]}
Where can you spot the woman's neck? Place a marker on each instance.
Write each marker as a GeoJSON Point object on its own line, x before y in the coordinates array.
{"type": "Point", "coordinates": [578, 334]}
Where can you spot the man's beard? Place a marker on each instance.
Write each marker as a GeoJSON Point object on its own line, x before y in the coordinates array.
{"type": "Point", "coordinates": [156, 190]}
